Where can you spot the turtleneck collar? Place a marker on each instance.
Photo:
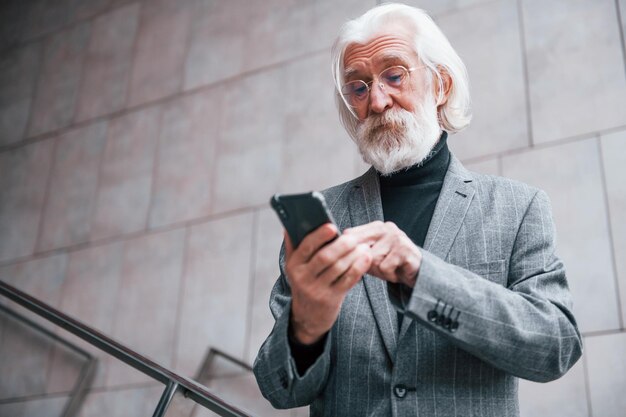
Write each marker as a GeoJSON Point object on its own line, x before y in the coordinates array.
{"type": "Point", "coordinates": [432, 168]}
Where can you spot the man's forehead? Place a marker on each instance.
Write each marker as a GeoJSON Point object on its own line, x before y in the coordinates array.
{"type": "Point", "coordinates": [384, 49]}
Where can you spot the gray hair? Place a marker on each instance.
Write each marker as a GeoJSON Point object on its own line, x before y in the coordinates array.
{"type": "Point", "coordinates": [432, 48]}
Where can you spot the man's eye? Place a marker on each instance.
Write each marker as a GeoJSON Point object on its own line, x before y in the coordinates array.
{"type": "Point", "coordinates": [394, 79]}
{"type": "Point", "coordinates": [359, 90]}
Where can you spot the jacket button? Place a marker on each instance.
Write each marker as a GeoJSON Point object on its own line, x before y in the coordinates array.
{"type": "Point", "coordinates": [454, 326]}
{"type": "Point", "coordinates": [432, 316]}
{"type": "Point", "coordinates": [399, 391]}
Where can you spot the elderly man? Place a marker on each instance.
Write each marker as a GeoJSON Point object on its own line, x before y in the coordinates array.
{"type": "Point", "coordinates": [443, 287]}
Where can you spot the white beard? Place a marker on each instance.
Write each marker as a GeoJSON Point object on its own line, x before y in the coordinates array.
{"type": "Point", "coordinates": [397, 138]}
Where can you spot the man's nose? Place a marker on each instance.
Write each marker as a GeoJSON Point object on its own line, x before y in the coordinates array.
{"type": "Point", "coordinates": [380, 100]}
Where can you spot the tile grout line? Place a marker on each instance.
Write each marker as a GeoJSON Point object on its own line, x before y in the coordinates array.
{"type": "Point", "coordinates": [191, 25]}
{"type": "Point", "coordinates": [620, 28]}
{"type": "Point", "coordinates": [587, 385]}
{"type": "Point", "coordinates": [251, 283]}
{"type": "Point", "coordinates": [524, 56]}
{"type": "Point", "coordinates": [94, 209]}
{"type": "Point", "coordinates": [36, 86]}
{"type": "Point", "coordinates": [605, 192]}
{"type": "Point", "coordinates": [46, 197]}
{"type": "Point", "coordinates": [132, 235]}
{"type": "Point", "coordinates": [133, 51]}
{"type": "Point", "coordinates": [179, 304]}
{"type": "Point", "coordinates": [545, 145]}
{"type": "Point", "coordinates": [81, 75]}
{"type": "Point", "coordinates": [156, 153]}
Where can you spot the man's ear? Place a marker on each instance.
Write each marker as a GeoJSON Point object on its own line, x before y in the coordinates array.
{"type": "Point", "coordinates": [446, 83]}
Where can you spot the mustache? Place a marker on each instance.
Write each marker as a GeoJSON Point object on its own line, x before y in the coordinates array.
{"type": "Point", "coordinates": [392, 121]}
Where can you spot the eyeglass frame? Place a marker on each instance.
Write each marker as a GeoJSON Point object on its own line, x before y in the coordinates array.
{"type": "Point", "coordinates": [380, 84]}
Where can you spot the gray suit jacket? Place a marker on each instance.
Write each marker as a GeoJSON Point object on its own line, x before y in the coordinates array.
{"type": "Point", "coordinates": [491, 304]}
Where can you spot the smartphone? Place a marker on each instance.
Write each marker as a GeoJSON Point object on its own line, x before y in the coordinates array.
{"type": "Point", "coordinates": [300, 214]}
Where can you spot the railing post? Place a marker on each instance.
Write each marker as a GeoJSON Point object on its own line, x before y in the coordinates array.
{"type": "Point", "coordinates": [165, 400]}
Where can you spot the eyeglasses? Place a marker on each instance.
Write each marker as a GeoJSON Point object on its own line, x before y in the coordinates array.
{"type": "Point", "coordinates": [391, 80]}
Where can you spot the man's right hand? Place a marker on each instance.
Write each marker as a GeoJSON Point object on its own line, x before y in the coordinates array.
{"type": "Point", "coordinates": [320, 276]}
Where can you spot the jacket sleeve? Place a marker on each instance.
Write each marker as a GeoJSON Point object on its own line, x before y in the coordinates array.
{"type": "Point", "coordinates": [525, 328]}
{"type": "Point", "coordinates": [274, 367]}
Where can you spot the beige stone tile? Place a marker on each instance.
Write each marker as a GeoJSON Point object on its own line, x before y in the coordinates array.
{"type": "Point", "coordinates": [186, 159]}
{"type": "Point", "coordinates": [23, 178]}
{"type": "Point", "coordinates": [607, 374]}
{"type": "Point", "coordinates": [160, 51]}
{"type": "Point", "coordinates": [126, 174]}
{"type": "Point", "coordinates": [491, 52]}
{"type": "Point", "coordinates": [73, 187]}
{"type": "Point", "coordinates": [614, 160]}
{"type": "Point", "coordinates": [565, 397]}
{"type": "Point", "coordinates": [59, 79]}
{"type": "Point", "coordinates": [268, 238]}
{"type": "Point", "coordinates": [146, 308]}
{"type": "Point", "coordinates": [12, 20]}
{"type": "Point", "coordinates": [575, 71]}
{"type": "Point", "coordinates": [108, 62]}
{"type": "Point", "coordinates": [215, 301]}
{"type": "Point", "coordinates": [229, 38]}
{"type": "Point", "coordinates": [41, 278]}
{"type": "Point", "coordinates": [571, 175]}
{"type": "Point", "coordinates": [18, 75]}
{"type": "Point", "coordinates": [44, 17]}
{"type": "Point", "coordinates": [250, 151]}
{"type": "Point", "coordinates": [318, 152]}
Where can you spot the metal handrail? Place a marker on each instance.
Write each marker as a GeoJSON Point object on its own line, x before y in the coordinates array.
{"type": "Point", "coordinates": [173, 382]}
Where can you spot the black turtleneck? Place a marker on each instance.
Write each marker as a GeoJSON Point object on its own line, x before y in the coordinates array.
{"type": "Point", "coordinates": [409, 198]}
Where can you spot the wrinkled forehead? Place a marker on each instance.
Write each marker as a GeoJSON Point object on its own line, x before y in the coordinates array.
{"type": "Point", "coordinates": [383, 49]}
{"type": "Point", "coordinates": [390, 37]}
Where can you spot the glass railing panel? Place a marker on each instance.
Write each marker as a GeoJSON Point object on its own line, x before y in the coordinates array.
{"type": "Point", "coordinates": [40, 375]}
{"type": "Point", "coordinates": [232, 380]}
{"type": "Point", "coordinates": [139, 401]}
{"type": "Point", "coordinates": [34, 407]}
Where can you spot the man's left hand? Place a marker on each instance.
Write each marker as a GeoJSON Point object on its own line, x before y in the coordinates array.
{"type": "Point", "coordinates": [395, 258]}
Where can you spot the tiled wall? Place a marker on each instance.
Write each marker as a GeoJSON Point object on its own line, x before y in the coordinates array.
{"type": "Point", "coordinates": [140, 142]}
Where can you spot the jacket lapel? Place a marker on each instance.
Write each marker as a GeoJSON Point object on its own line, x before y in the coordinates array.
{"type": "Point", "coordinates": [366, 207]}
{"type": "Point", "coordinates": [456, 195]}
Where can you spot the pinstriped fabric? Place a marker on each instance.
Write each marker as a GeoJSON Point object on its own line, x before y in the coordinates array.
{"type": "Point", "coordinates": [488, 256]}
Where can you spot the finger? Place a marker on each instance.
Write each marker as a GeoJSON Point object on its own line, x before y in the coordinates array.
{"type": "Point", "coordinates": [367, 233]}
{"type": "Point", "coordinates": [314, 241]}
{"type": "Point", "coordinates": [354, 274]}
{"type": "Point", "coordinates": [331, 253]}
{"type": "Point", "coordinates": [390, 265]}
{"type": "Point", "coordinates": [288, 245]}
{"type": "Point", "coordinates": [341, 265]}
{"type": "Point", "coordinates": [381, 248]}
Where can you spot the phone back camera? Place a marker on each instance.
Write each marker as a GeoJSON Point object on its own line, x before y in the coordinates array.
{"type": "Point", "coordinates": [282, 213]}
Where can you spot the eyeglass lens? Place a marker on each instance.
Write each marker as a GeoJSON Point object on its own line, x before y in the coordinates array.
{"type": "Point", "coordinates": [391, 80]}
